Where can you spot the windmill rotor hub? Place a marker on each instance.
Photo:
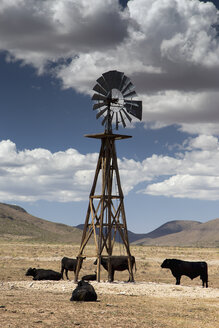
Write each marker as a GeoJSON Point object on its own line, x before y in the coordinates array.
{"type": "Point", "coordinates": [116, 100]}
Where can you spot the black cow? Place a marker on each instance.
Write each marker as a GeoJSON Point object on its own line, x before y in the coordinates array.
{"type": "Point", "coordinates": [69, 264]}
{"type": "Point", "coordinates": [84, 292]}
{"type": "Point", "coordinates": [189, 269]}
{"type": "Point", "coordinates": [118, 263]}
{"type": "Point", "coordinates": [43, 274]}
{"type": "Point", "coordinates": [89, 277]}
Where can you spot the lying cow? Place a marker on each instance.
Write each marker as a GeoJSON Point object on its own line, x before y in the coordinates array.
{"type": "Point", "coordinates": [89, 277]}
{"type": "Point", "coordinates": [69, 264]}
{"type": "Point", "coordinates": [118, 263]}
{"type": "Point", "coordinates": [84, 292]}
{"type": "Point", "coordinates": [189, 269]}
{"type": "Point", "coordinates": [43, 274]}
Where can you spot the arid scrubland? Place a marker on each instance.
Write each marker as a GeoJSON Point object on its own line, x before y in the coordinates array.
{"type": "Point", "coordinates": [152, 301]}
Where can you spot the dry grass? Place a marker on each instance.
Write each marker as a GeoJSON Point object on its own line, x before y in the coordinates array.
{"type": "Point", "coordinates": [48, 305]}
{"type": "Point", "coordinates": [46, 309]}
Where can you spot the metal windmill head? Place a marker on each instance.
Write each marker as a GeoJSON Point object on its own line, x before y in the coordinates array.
{"type": "Point", "coordinates": [113, 100]}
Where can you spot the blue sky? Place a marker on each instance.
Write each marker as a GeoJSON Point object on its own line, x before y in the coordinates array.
{"type": "Point", "coordinates": [50, 57]}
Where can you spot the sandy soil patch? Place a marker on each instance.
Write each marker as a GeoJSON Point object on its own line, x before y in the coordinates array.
{"type": "Point", "coordinates": [119, 288]}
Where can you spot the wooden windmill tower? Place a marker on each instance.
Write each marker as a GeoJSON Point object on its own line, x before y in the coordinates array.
{"type": "Point", "coordinates": [106, 213]}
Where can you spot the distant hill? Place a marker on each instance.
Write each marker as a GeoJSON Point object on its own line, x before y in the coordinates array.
{"type": "Point", "coordinates": [178, 233]}
{"type": "Point", "coordinates": [184, 233]}
{"type": "Point", "coordinates": [132, 236]}
{"type": "Point", "coordinates": [17, 224]}
{"type": "Point", "coordinates": [165, 229]}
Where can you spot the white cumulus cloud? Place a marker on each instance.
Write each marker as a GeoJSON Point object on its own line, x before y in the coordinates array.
{"type": "Point", "coordinates": [30, 175]}
{"type": "Point", "coordinates": [169, 49]}
{"type": "Point", "coordinates": [67, 176]}
{"type": "Point", "coordinates": [196, 172]}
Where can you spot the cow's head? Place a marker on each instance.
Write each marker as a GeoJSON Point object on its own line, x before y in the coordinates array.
{"type": "Point", "coordinates": [166, 263]}
{"type": "Point", "coordinates": [80, 259]}
{"type": "Point", "coordinates": [31, 272]}
{"type": "Point", "coordinates": [101, 261]}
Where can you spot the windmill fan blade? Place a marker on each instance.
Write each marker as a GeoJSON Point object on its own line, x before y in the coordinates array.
{"type": "Point", "coordinates": [129, 86]}
{"type": "Point", "coordinates": [99, 89]}
{"type": "Point", "coordinates": [132, 103]}
{"type": "Point", "coordinates": [101, 81]}
{"type": "Point", "coordinates": [113, 79]}
{"type": "Point", "coordinates": [122, 119]}
{"type": "Point", "coordinates": [127, 115]}
{"type": "Point", "coordinates": [112, 116]}
{"type": "Point", "coordinates": [104, 120]}
{"type": "Point", "coordinates": [98, 105]}
{"type": "Point", "coordinates": [124, 82]}
{"type": "Point", "coordinates": [130, 94]}
{"type": "Point", "coordinates": [97, 96]}
{"type": "Point", "coordinates": [117, 79]}
{"type": "Point", "coordinates": [134, 108]}
{"type": "Point", "coordinates": [101, 112]}
{"type": "Point", "coordinates": [117, 122]}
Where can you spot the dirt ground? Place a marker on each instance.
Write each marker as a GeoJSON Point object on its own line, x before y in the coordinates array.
{"type": "Point", "coordinates": [153, 300]}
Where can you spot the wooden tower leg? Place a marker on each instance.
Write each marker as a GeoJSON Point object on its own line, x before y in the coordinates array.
{"type": "Point", "coordinates": [104, 216]}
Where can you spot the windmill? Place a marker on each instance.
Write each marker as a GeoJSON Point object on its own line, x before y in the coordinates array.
{"type": "Point", "coordinates": [106, 213]}
{"type": "Point", "coordinates": [113, 93]}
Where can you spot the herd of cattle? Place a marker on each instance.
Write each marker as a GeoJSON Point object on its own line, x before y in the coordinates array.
{"type": "Point", "coordinates": [120, 263]}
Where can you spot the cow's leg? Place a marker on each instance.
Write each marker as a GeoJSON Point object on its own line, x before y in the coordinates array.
{"type": "Point", "coordinates": [204, 282]}
{"type": "Point", "coordinates": [204, 277]}
{"type": "Point", "coordinates": [112, 275]}
{"type": "Point", "coordinates": [66, 273]}
{"type": "Point", "coordinates": [131, 278]}
{"type": "Point", "coordinates": [178, 280]}
{"type": "Point", "coordinates": [130, 270]}
{"type": "Point", "coordinates": [62, 270]}
{"type": "Point", "coordinates": [110, 270]}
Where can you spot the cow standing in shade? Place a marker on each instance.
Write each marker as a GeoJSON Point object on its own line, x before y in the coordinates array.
{"type": "Point", "coordinates": [186, 268]}
{"type": "Point", "coordinates": [69, 264]}
{"type": "Point", "coordinates": [118, 263]}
